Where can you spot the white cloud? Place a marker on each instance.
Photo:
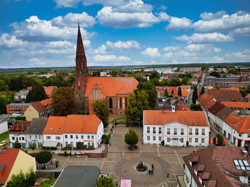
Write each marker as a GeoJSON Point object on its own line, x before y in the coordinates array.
{"type": "Point", "coordinates": [210, 16]}
{"type": "Point", "coordinates": [241, 32]}
{"type": "Point", "coordinates": [108, 58]}
{"type": "Point", "coordinates": [71, 19]}
{"type": "Point", "coordinates": [171, 48]}
{"type": "Point", "coordinates": [196, 47]}
{"type": "Point", "coordinates": [123, 45]}
{"type": "Point", "coordinates": [152, 52]}
{"type": "Point", "coordinates": [240, 56]}
{"type": "Point", "coordinates": [178, 23]}
{"type": "Point", "coordinates": [134, 6]}
{"type": "Point", "coordinates": [7, 41]}
{"type": "Point", "coordinates": [205, 38]}
{"type": "Point", "coordinates": [66, 3]}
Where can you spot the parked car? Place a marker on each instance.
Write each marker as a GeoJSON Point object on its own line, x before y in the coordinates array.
{"type": "Point", "coordinates": [2, 143]}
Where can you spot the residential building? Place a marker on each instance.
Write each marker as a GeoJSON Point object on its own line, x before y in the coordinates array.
{"type": "Point", "coordinates": [217, 166]}
{"type": "Point", "coordinates": [86, 176]}
{"type": "Point", "coordinates": [238, 106]}
{"type": "Point", "coordinates": [17, 108]}
{"type": "Point", "coordinates": [39, 109]}
{"type": "Point", "coordinates": [247, 98]}
{"type": "Point", "coordinates": [206, 101]}
{"type": "Point", "coordinates": [34, 133]}
{"type": "Point", "coordinates": [190, 69]}
{"type": "Point", "coordinates": [12, 161]}
{"type": "Point", "coordinates": [194, 81]}
{"type": "Point", "coordinates": [49, 90]}
{"type": "Point", "coordinates": [88, 90]}
{"type": "Point", "coordinates": [17, 133]}
{"type": "Point", "coordinates": [21, 95]}
{"type": "Point", "coordinates": [68, 130]}
{"type": "Point", "coordinates": [225, 95]}
{"type": "Point", "coordinates": [175, 128]}
{"type": "Point", "coordinates": [4, 118]}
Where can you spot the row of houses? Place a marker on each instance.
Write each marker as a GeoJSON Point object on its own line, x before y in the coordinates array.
{"type": "Point", "coordinates": [58, 131]}
{"type": "Point", "coordinates": [235, 129]}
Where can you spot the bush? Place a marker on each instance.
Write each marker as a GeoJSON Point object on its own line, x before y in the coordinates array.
{"type": "Point", "coordinates": [105, 139]}
{"type": "Point", "coordinates": [187, 143]}
{"type": "Point", "coordinates": [22, 118]}
{"type": "Point", "coordinates": [21, 179]}
{"type": "Point", "coordinates": [90, 147]}
{"type": "Point", "coordinates": [79, 145]}
{"type": "Point", "coordinates": [16, 145]}
{"type": "Point", "coordinates": [162, 142]}
{"type": "Point", "coordinates": [195, 107]}
{"type": "Point", "coordinates": [43, 157]}
{"type": "Point", "coordinates": [220, 140]}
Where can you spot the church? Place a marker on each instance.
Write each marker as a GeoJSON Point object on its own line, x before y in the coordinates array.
{"type": "Point", "coordinates": [88, 90]}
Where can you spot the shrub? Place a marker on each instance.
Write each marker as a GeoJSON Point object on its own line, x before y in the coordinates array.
{"type": "Point", "coordinates": [79, 145]}
{"type": "Point", "coordinates": [43, 157]}
{"type": "Point", "coordinates": [162, 142]}
{"type": "Point", "coordinates": [105, 139]}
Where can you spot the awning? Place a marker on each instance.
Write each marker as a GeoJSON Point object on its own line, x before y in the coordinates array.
{"type": "Point", "coordinates": [50, 144]}
{"type": "Point", "coordinates": [125, 183]}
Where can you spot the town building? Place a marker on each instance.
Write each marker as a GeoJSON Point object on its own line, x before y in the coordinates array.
{"type": "Point", "coordinates": [34, 133]}
{"type": "Point", "coordinates": [21, 95]}
{"type": "Point", "coordinates": [49, 90]}
{"type": "Point", "coordinates": [61, 131]}
{"type": "Point", "coordinates": [39, 109]}
{"type": "Point", "coordinates": [190, 69]}
{"type": "Point", "coordinates": [19, 108]}
{"type": "Point", "coordinates": [225, 95]}
{"type": "Point", "coordinates": [17, 133]}
{"type": "Point", "coordinates": [87, 90]}
{"type": "Point", "coordinates": [238, 106]}
{"type": "Point", "coordinates": [175, 128]}
{"type": "Point", "coordinates": [4, 118]}
{"type": "Point", "coordinates": [217, 166]}
{"type": "Point", "coordinates": [12, 161]}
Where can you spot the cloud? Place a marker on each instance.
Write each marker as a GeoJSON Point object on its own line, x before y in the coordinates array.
{"type": "Point", "coordinates": [7, 41]}
{"type": "Point", "coordinates": [211, 16]}
{"type": "Point", "coordinates": [207, 48]}
{"type": "Point", "coordinates": [36, 29]}
{"type": "Point", "coordinates": [171, 48]}
{"type": "Point", "coordinates": [71, 19]}
{"type": "Point", "coordinates": [152, 52]}
{"type": "Point", "coordinates": [178, 23]}
{"type": "Point", "coordinates": [134, 6]}
{"type": "Point", "coordinates": [66, 3]}
{"type": "Point", "coordinates": [239, 56]}
{"type": "Point", "coordinates": [206, 38]}
{"type": "Point", "coordinates": [108, 58]}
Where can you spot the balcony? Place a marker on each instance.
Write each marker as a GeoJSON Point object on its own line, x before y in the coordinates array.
{"type": "Point", "coordinates": [154, 132]}
{"type": "Point", "coordinates": [175, 133]}
{"type": "Point", "coordinates": [159, 132]}
{"type": "Point", "coordinates": [203, 133]}
{"type": "Point", "coordinates": [148, 131]}
{"type": "Point", "coordinates": [182, 133]}
{"type": "Point", "coordinates": [168, 132]}
{"type": "Point", "coordinates": [190, 133]}
{"type": "Point", "coordinates": [196, 133]}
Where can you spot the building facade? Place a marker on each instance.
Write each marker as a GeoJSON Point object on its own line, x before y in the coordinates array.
{"type": "Point", "coordinates": [19, 108]}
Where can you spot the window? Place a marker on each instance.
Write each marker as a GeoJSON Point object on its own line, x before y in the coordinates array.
{"type": "Point", "coordinates": [35, 136]}
{"type": "Point", "coordinates": [92, 137]}
{"type": "Point", "coordinates": [110, 103]}
{"type": "Point", "coordinates": [196, 131]}
{"type": "Point", "coordinates": [48, 137]}
{"type": "Point", "coordinates": [190, 140]}
{"type": "Point", "coordinates": [76, 136]}
{"type": "Point", "coordinates": [30, 136]}
{"type": "Point", "coordinates": [66, 136]}
{"type": "Point", "coordinates": [71, 136]}
{"type": "Point", "coordinates": [13, 138]}
{"type": "Point", "coordinates": [154, 130]}
{"type": "Point", "coordinates": [126, 102]}
{"type": "Point", "coordinates": [182, 131]}
{"type": "Point", "coordinates": [88, 144]}
{"type": "Point", "coordinates": [148, 137]}
{"type": "Point", "coordinates": [175, 131]}
{"type": "Point", "coordinates": [240, 135]}
{"type": "Point", "coordinates": [202, 140]}
{"type": "Point", "coordinates": [58, 138]}
{"type": "Point", "coordinates": [168, 140]}
{"type": "Point", "coordinates": [203, 131]}
{"type": "Point", "coordinates": [159, 138]}
{"type": "Point", "coordinates": [196, 140]}
{"type": "Point", "coordinates": [248, 135]}
{"type": "Point", "coordinates": [181, 139]}
{"type": "Point", "coordinates": [81, 136]}
{"type": "Point", "coordinates": [39, 137]}
{"type": "Point", "coordinates": [160, 130]}
{"type": "Point", "coordinates": [148, 129]}
{"type": "Point", "coordinates": [120, 102]}
{"type": "Point", "coordinates": [168, 130]}
{"type": "Point", "coordinates": [88, 137]}
{"type": "Point", "coordinates": [154, 138]}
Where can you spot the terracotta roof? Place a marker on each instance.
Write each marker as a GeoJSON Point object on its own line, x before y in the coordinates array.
{"type": "Point", "coordinates": [82, 124]}
{"type": "Point", "coordinates": [184, 92]}
{"type": "Point", "coordinates": [20, 127]}
{"type": "Point", "coordinates": [224, 113]}
{"type": "Point", "coordinates": [7, 158]}
{"type": "Point", "coordinates": [205, 99]}
{"type": "Point", "coordinates": [180, 106]}
{"type": "Point", "coordinates": [111, 86]}
{"type": "Point", "coordinates": [216, 108]}
{"type": "Point", "coordinates": [217, 161]}
{"type": "Point", "coordinates": [232, 88]}
{"type": "Point", "coordinates": [236, 104]}
{"type": "Point", "coordinates": [159, 117]}
{"type": "Point", "coordinates": [240, 124]}
{"type": "Point", "coordinates": [42, 105]}
{"type": "Point", "coordinates": [248, 96]}
{"type": "Point", "coordinates": [224, 94]}
{"type": "Point", "coordinates": [49, 90]}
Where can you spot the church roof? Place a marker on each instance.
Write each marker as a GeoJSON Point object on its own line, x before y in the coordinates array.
{"type": "Point", "coordinates": [111, 86]}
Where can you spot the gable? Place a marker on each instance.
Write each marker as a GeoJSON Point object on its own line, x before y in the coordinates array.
{"type": "Point", "coordinates": [174, 124]}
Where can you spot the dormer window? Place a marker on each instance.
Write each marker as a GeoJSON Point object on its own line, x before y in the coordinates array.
{"type": "Point", "coordinates": [59, 129]}
{"type": "Point", "coordinates": [51, 128]}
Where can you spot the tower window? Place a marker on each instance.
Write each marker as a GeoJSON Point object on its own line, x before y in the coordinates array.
{"type": "Point", "coordinates": [110, 103]}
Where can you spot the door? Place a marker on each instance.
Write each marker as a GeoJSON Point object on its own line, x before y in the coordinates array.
{"type": "Point", "coordinates": [175, 141]}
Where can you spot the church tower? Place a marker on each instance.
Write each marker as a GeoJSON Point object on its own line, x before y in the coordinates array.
{"type": "Point", "coordinates": [81, 74]}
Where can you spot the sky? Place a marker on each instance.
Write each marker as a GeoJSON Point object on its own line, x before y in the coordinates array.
{"type": "Point", "coordinates": [43, 33]}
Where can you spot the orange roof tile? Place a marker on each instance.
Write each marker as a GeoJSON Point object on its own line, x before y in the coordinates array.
{"type": "Point", "coordinates": [205, 99]}
{"type": "Point", "coordinates": [111, 86]}
{"type": "Point", "coordinates": [248, 96]}
{"type": "Point", "coordinates": [54, 125]}
{"type": "Point", "coordinates": [232, 88]}
{"type": "Point", "coordinates": [184, 90]}
{"type": "Point", "coordinates": [7, 158]}
{"type": "Point", "coordinates": [159, 117]}
{"type": "Point", "coordinates": [240, 124]}
{"type": "Point", "coordinates": [49, 90]}
{"type": "Point", "coordinates": [236, 104]}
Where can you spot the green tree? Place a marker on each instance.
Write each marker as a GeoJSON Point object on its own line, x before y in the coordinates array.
{"type": "Point", "coordinates": [195, 107]}
{"type": "Point", "coordinates": [202, 90]}
{"type": "Point", "coordinates": [150, 89]}
{"type": "Point", "coordinates": [63, 101]}
{"type": "Point", "coordinates": [220, 140]}
{"type": "Point", "coordinates": [16, 83]}
{"type": "Point", "coordinates": [131, 138]}
{"type": "Point", "coordinates": [71, 79]}
{"type": "Point", "coordinates": [195, 95]}
{"type": "Point", "coordinates": [3, 85]}
{"type": "Point", "coordinates": [105, 139]}
{"type": "Point", "coordinates": [232, 71]}
{"type": "Point", "coordinates": [215, 74]}
{"type": "Point", "coordinates": [79, 145]}
{"type": "Point", "coordinates": [101, 110]}
{"type": "Point", "coordinates": [137, 102]}
{"type": "Point", "coordinates": [166, 92]}
{"type": "Point", "coordinates": [43, 157]}
{"type": "Point", "coordinates": [32, 146]}
{"type": "Point", "coordinates": [185, 81]}
{"type": "Point", "coordinates": [105, 182]}
{"type": "Point", "coordinates": [243, 93]}
{"type": "Point", "coordinates": [155, 74]}
{"type": "Point", "coordinates": [5, 99]}
{"type": "Point", "coordinates": [36, 94]}
{"type": "Point", "coordinates": [172, 92]}
{"type": "Point", "coordinates": [179, 91]}
{"type": "Point", "coordinates": [16, 145]}
{"type": "Point", "coordinates": [21, 179]}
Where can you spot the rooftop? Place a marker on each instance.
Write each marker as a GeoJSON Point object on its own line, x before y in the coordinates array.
{"type": "Point", "coordinates": [19, 104]}
{"type": "Point", "coordinates": [37, 126]}
{"type": "Point", "coordinates": [236, 104]}
{"type": "Point", "coordinates": [240, 124]}
{"type": "Point", "coordinates": [20, 127]}
{"type": "Point", "coordinates": [224, 93]}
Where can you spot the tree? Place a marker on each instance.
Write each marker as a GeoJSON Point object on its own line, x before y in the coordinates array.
{"type": "Point", "coordinates": [5, 99]}
{"type": "Point", "coordinates": [21, 179]}
{"type": "Point", "coordinates": [215, 74]}
{"type": "Point", "coordinates": [16, 145]}
{"type": "Point", "coordinates": [185, 81]}
{"type": "Point", "coordinates": [79, 145]}
{"type": "Point", "coordinates": [105, 139]}
{"type": "Point", "coordinates": [220, 140]}
{"type": "Point", "coordinates": [243, 93]}
{"type": "Point", "coordinates": [71, 79]}
{"type": "Point", "coordinates": [3, 85]}
{"type": "Point", "coordinates": [166, 92]}
{"type": "Point", "coordinates": [232, 71]}
{"type": "Point", "coordinates": [202, 90]}
{"type": "Point", "coordinates": [179, 91]}
{"type": "Point", "coordinates": [43, 157]}
{"type": "Point", "coordinates": [172, 92]}
{"type": "Point", "coordinates": [105, 182]}
{"type": "Point", "coordinates": [195, 95]}
{"type": "Point", "coordinates": [63, 101]}
{"type": "Point", "coordinates": [195, 107]}
{"type": "Point", "coordinates": [137, 102]}
{"type": "Point", "coordinates": [150, 89]}
{"type": "Point", "coordinates": [36, 94]}
{"type": "Point", "coordinates": [101, 110]}
{"type": "Point", "coordinates": [131, 138]}
{"type": "Point", "coordinates": [155, 74]}
{"type": "Point", "coordinates": [32, 146]}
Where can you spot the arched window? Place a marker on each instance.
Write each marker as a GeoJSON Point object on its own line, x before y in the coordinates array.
{"type": "Point", "coordinates": [110, 103]}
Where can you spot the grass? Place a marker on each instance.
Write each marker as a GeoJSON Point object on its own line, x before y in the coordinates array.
{"type": "Point", "coordinates": [49, 182]}
{"type": "Point", "coordinates": [4, 136]}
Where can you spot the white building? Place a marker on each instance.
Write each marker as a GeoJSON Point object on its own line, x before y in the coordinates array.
{"type": "Point", "coordinates": [4, 123]}
{"type": "Point", "coordinates": [175, 128]}
{"type": "Point", "coordinates": [61, 131]}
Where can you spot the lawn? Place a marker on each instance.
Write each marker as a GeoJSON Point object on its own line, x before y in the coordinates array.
{"type": "Point", "coordinates": [49, 182]}
{"type": "Point", "coordinates": [4, 136]}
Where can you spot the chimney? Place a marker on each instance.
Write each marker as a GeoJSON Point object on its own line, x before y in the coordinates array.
{"type": "Point", "coordinates": [173, 108]}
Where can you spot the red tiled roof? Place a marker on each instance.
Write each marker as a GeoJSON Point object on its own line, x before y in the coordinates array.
{"type": "Point", "coordinates": [248, 96]}
{"type": "Point", "coordinates": [20, 127]}
{"type": "Point", "coordinates": [224, 94]}
{"type": "Point", "coordinates": [159, 117]}
{"type": "Point", "coordinates": [240, 124]}
{"type": "Point", "coordinates": [111, 86]}
{"type": "Point", "coordinates": [42, 105]}
{"type": "Point", "coordinates": [224, 113]}
{"type": "Point", "coordinates": [216, 108]}
{"type": "Point", "coordinates": [233, 88]}
{"type": "Point", "coordinates": [49, 90]}
{"type": "Point", "coordinates": [54, 125]}
{"type": "Point", "coordinates": [205, 99]}
{"type": "Point", "coordinates": [161, 90]}
{"type": "Point", "coordinates": [236, 104]}
{"type": "Point", "coordinates": [8, 158]}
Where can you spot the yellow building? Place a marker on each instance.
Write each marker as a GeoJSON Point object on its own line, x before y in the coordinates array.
{"type": "Point", "coordinates": [12, 161]}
